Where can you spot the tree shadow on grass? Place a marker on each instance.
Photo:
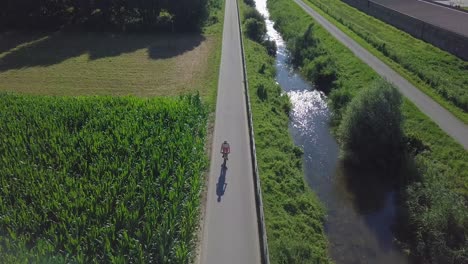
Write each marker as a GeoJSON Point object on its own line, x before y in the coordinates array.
{"type": "Point", "coordinates": [59, 46]}
{"type": "Point", "coordinates": [11, 40]}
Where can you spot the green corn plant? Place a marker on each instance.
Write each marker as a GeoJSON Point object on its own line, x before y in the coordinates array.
{"type": "Point", "coordinates": [100, 179]}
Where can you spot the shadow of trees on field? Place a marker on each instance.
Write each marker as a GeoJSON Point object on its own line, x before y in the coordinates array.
{"type": "Point", "coordinates": [11, 40]}
{"type": "Point", "coordinates": [59, 46]}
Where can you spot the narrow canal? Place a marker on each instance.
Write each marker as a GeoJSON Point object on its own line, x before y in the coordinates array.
{"type": "Point", "coordinates": [360, 215]}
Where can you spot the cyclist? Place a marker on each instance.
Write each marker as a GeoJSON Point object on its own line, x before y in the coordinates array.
{"type": "Point", "coordinates": [225, 149]}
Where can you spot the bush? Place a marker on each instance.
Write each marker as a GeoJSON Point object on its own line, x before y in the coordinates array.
{"type": "Point", "coordinates": [321, 71]}
{"type": "Point", "coordinates": [371, 130]}
{"type": "Point", "coordinates": [270, 45]}
{"type": "Point", "coordinates": [305, 46]}
{"type": "Point", "coordinates": [251, 12]}
{"type": "Point", "coordinates": [255, 29]}
{"type": "Point", "coordinates": [250, 3]}
{"type": "Point", "coordinates": [262, 92]}
{"type": "Point", "coordinates": [338, 100]}
{"type": "Point", "coordinates": [438, 218]}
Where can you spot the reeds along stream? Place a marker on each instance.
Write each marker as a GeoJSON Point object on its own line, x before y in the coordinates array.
{"type": "Point", "coordinates": [361, 214]}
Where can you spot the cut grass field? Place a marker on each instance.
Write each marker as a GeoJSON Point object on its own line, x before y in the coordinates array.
{"type": "Point", "coordinates": [431, 216]}
{"type": "Point", "coordinates": [140, 64]}
{"type": "Point", "coordinates": [435, 72]}
{"type": "Point", "coordinates": [294, 216]}
{"type": "Point", "coordinates": [107, 64]}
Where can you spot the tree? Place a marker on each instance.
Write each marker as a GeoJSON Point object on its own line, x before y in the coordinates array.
{"type": "Point", "coordinates": [371, 130]}
{"type": "Point", "coordinates": [255, 29]}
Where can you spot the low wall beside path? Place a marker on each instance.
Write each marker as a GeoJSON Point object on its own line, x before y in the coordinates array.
{"type": "Point", "coordinates": [445, 39]}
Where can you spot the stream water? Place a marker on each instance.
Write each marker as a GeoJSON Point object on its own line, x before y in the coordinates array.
{"type": "Point", "coordinates": [360, 215]}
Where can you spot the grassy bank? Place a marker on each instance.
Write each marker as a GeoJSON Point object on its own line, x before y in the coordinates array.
{"type": "Point", "coordinates": [437, 73]}
{"type": "Point", "coordinates": [100, 179]}
{"type": "Point", "coordinates": [294, 216]}
{"type": "Point", "coordinates": [437, 153]}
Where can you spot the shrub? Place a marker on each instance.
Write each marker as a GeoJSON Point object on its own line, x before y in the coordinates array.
{"type": "Point", "coordinates": [270, 45]}
{"type": "Point", "coordinates": [251, 12]}
{"type": "Point", "coordinates": [305, 46]}
{"type": "Point", "coordinates": [262, 92]}
{"type": "Point", "coordinates": [255, 29]}
{"type": "Point", "coordinates": [370, 132]}
{"type": "Point", "coordinates": [338, 100]}
{"type": "Point", "coordinates": [250, 2]}
{"type": "Point", "coordinates": [438, 222]}
{"type": "Point", "coordinates": [322, 71]}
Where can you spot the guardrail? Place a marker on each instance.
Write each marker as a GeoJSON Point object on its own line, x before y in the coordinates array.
{"type": "Point", "coordinates": [258, 191]}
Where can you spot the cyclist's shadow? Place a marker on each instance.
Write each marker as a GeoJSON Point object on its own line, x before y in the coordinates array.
{"type": "Point", "coordinates": [221, 185]}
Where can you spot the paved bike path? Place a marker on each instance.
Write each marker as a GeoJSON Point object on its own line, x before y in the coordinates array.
{"type": "Point", "coordinates": [230, 231]}
{"type": "Point", "coordinates": [443, 118]}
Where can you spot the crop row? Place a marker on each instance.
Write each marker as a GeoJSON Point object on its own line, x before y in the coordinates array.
{"type": "Point", "coordinates": [100, 179]}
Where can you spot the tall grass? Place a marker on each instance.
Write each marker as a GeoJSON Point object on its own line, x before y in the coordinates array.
{"type": "Point", "coordinates": [100, 179]}
{"type": "Point", "coordinates": [293, 214]}
{"type": "Point", "coordinates": [436, 224]}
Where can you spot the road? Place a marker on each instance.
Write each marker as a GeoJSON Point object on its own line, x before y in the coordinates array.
{"type": "Point", "coordinates": [230, 231]}
{"type": "Point", "coordinates": [437, 15]}
{"type": "Point", "coordinates": [443, 118]}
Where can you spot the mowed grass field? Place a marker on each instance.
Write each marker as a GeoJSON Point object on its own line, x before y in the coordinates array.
{"type": "Point", "coordinates": [107, 64]}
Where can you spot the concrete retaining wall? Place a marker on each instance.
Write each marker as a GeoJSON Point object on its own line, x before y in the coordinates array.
{"type": "Point", "coordinates": [439, 37]}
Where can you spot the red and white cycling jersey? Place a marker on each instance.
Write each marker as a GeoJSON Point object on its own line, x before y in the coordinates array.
{"type": "Point", "coordinates": [225, 148]}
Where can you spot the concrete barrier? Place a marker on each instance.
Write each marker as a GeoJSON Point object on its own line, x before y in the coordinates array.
{"type": "Point", "coordinates": [442, 38]}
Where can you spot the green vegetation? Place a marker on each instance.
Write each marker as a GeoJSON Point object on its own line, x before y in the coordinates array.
{"type": "Point", "coordinates": [321, 70]}
{"type": "Point", "coordinates": [435, 224]}
{"type": "Point", "coordinates": [100, 179]}
{"type": "Point", "coordinates": [112, 64]}
{"type": "Point", "coordinates": [104, 179]}
{"type": "Point", "coordinates": [84, 63]}
{"type": "Point", "coordinates": [107, 64]}
{"type": "Point", "coordinates": [255, 27]}
{"type": "Point", "coordinates": [437, 73]}
{"type": "Point", "coordinates": [114, 15]}
{"type": "Point", "coordinates": [371, 130]}
{"type": "Point", "coordinates": [294, 216]}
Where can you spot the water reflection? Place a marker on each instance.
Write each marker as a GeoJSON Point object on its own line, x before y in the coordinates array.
{"type": "Point", "coordinates": [361, 208]}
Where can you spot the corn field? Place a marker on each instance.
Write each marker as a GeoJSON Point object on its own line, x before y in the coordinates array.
{"type": "Point", "coordinates": [100, 179]}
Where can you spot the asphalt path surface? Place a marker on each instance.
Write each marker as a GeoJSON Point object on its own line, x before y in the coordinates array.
{"type": "Point", "coordinates": [437, 15]}
{"type": "Point", "coordinates": [230, 231]}
{"type": "Point", "coordinates": [446, 121]}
